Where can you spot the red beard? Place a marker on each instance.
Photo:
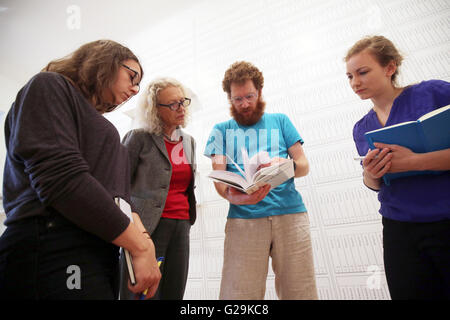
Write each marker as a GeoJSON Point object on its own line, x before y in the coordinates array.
{"type": "Point", "coordinates": [253, 118]}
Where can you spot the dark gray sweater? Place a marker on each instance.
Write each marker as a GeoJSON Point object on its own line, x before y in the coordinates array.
{"type": "Point", "coordinates": [63, 155]}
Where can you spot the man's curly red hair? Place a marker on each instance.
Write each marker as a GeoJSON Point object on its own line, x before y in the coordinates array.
{"type": "Point", "coordinates": [239, 72]}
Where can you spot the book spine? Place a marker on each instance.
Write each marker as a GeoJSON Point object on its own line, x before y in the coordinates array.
{"type": "Point", "coordinates": [128, 259]}
{"type": "Point", "coordinates": [423, 137]}
{"type": "Point", "coordinates": [372, 147]}
{"type": "Point", "coordinates": [130, 268]}
{"type": "Point", "coordinates": [370, 141]}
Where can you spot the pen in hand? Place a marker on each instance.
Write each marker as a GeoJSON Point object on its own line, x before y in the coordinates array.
{"type": "Point", "coordinates": [362, 158]}
{"type": "Point", "coordinates": [143, 294]}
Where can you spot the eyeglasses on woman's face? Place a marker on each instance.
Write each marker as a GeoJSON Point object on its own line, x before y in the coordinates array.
{"type": "Point", "coordinates": [177, 105]}
{"type": "Point", "coordinates": [133, 78]}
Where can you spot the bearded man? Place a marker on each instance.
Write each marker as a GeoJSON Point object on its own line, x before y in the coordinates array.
{"type": "Point", "coordinates": [267, 223]}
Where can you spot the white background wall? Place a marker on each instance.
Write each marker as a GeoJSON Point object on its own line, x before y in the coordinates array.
{"type": "Point", "coordinates": [299, 46]}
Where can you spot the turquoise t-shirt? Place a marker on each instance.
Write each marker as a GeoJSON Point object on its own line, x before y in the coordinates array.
{"type": "Point", "coordinates": [273, 133]}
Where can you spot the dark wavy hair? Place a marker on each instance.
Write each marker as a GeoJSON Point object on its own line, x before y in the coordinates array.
{"type": "Point", "coordinates": [92, 68]}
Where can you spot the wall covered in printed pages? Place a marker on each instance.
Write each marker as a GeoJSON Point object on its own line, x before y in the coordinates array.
{"type": "Point", "coordinates": [299, 46]}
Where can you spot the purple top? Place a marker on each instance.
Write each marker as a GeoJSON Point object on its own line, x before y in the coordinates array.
{"type": "Point", "coordinates": [421, 198]}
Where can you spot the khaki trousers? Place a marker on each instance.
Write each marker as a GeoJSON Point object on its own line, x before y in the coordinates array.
{"type": "Point", "coordinates": [248, 245]}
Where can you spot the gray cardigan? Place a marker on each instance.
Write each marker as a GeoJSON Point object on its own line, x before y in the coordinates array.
{"type": "Point", "coordinates": [151, 171]}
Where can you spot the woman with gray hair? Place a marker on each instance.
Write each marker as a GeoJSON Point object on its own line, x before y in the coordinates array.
{"type": "Point", "coordinates": [163, 168]}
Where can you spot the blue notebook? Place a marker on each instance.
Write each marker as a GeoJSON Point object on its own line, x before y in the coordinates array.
{"type": "Point", "coordinates": [431, 132]}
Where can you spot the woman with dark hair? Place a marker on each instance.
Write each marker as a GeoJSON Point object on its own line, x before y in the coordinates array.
{"type": "Point", "coordinates": [65, 167]}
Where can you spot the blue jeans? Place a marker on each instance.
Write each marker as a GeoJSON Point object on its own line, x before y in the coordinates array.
{"type": "Point", "coordinates": [51, 258]}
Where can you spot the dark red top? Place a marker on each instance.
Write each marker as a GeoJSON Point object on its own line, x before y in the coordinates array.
{"type": "Point", "coordinates": [177, 205]}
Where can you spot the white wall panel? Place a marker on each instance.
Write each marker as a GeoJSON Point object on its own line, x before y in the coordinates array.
{"type": "Point", "coordinates": [299, 46]}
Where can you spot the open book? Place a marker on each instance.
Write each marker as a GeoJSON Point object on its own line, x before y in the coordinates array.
{"type": "Point", "coordinates": [431, 132]}
{"type": "Point", "coordinates": [251, 178]}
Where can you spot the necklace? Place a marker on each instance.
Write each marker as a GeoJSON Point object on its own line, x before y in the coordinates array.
{"type": "Point", "coordinates": [170, 139]}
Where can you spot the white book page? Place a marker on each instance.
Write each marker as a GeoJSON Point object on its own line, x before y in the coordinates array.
{"type": "Point", "coordinates": [394, 125]}
{"type": "Point", "coordinates": [248, 171]}
{"type": "Point", "coordinates": [126, 208]}
{"type": "Point", "coordinates": [275, 175]}
{"type": "Point", "coordinates": [241, 187]}
{"type": "Point", "coordinates": [273, 170]}
{"type": "Point", "coordinates": [251, 165]}
{"type": "Point", "coordinates": [433, 113]}
{"type": "Point", "coordinates": [228, 176]}
{"type": "Point", "coordinates": [239, 168]}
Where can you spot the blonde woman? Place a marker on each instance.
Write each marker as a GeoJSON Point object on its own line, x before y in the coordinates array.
{"type": "Point", "coordinates": [162, 180]}
{"type": "Point", "coordinates": [415, 209]}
